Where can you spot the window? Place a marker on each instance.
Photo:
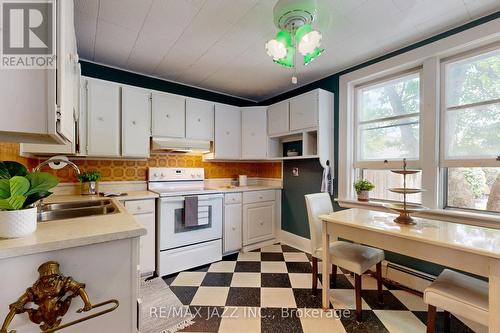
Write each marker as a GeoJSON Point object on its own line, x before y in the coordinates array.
{"type": "Point", "coordinates": [388, 129]}
{"type": "Point", "coordinates": [471, 133]}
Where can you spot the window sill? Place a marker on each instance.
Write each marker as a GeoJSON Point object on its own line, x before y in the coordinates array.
{"type": "Point", "coordinates": [477, 219]}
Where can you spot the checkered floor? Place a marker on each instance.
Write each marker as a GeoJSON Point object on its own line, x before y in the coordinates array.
{"type": "Point", "coordinates": [268, 290]}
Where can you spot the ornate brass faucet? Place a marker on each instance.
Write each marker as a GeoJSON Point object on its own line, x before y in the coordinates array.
{"type": "Point", "coordinates": [52, 293]}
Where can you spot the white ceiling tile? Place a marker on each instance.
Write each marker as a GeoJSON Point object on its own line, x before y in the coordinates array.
{"type": "Point", "coordinates": [89, 7]}
{"type": "Point", "coordinates": [478, 8]}
{"type": "Point", "coordinates": [129, 14]}
{"type": "Point", "coordinates": [219, 44]}
{"type": "Point", "coordinates": [85, 35]}
{"type": "Point", "coordinates": [113, 44]}
{"type": "Point", "coordinates": [164, 24]}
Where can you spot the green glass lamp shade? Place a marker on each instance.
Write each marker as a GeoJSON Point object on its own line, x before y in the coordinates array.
{"type": "Point", "coordinates": [313, 55]}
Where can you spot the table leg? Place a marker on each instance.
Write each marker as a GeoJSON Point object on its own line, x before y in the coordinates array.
{"type": "Point", "coordinates": [325, 281]}
{"type": "Point", "coordinates": [494, 296]}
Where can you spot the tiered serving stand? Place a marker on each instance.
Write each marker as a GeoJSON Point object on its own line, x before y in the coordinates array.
{"type": "Point", "coordinates": [405, 209]}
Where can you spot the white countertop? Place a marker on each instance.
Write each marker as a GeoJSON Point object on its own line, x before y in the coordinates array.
{"type": "Point", "coordinates": [61, 234]}
{"type": "Point", "coordinates": [474, 239]}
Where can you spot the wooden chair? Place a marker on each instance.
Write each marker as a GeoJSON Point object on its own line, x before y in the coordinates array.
{"type": "Point", "coordinates": [459, 294]}
{"type": "Point", "coordinates": [352, 257]}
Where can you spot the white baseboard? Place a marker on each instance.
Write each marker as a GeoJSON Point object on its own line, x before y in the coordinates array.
{"type": "Point", "coordinates": [295, 241]}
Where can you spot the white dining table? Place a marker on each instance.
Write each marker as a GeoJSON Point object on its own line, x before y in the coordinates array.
{"type": "Point", "coordinates": [464, 247]}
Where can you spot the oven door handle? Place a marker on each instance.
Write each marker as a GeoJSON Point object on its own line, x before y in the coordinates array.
{"type": "Point", "coordinates": [204, 197]}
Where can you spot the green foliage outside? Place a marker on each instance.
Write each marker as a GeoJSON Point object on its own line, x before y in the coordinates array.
{"type": "Point", "coordinates": [20, 189]}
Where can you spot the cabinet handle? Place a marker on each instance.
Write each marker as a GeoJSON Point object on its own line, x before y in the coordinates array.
{"type": "Point", "coordinates": [100, 118]}
{"type": "Point", "coordinates": [261, 197]}
{"type": "Point", "coordinates": [133, 122]}
{"type": "Point", "coordinates": [139, 208]}
{"type": "Point", "coordinates": [168, 116]}
{"type": "Point", "coordinates": [199, 120]}
{"type": "Point", "coordinates": [227, 132]}
{"type": "Point", "coordinates": [234, 228]}
{"type": "Point", "coordinates": [261, 223]}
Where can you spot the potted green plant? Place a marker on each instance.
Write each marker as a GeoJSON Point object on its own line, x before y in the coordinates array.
{"type": "Point", "coordinates": [19, 191]}
{"type": "Point", "coordinates": [90, 182]}
{"type": "Point", "coordinates": [363, 188]}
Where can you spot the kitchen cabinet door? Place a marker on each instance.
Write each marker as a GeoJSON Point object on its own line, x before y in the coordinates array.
{"type": "Point", "coordinates": [227, 139]}
{"type": "Point", "coordinates": [199, 119]}
{"type": "Point", "coordinates": [169, 115]}
{"type": "Point", "coordinates": [103, 118]}
{"type": "Point", "coordinates": [278, 118]}
{"type": "Point", "coordinates": [258, 222]}
{"type": "Point", "coordinates": [136, 122]}
{"type": "Point", "coordinates": [253, 133]}
{"type": "Point", "coordinates": [147, 252]}
{"type": "Point", "coordinates": [232, 228]}
{"type": "Point", "coordinates": [304, 111]}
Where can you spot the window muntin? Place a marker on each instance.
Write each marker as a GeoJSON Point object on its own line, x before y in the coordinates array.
{"type": "Point", "coordinates": [388, 115]}
{"type": "Point", "coordinates": [472, 108]}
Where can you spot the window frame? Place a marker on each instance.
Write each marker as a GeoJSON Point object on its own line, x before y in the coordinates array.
{"type": "Point", "coordinates": [429, 56]}
{"type": "Point", "coordinates": [445, 162]}
{"type": "Point", "coordinates": [385, 163]}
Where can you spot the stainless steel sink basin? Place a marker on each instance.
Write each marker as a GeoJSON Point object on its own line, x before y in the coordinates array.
{"type": "Point", "coordinates": [77, 204]}
{"type": "Point", "coordinates": [70, 210]}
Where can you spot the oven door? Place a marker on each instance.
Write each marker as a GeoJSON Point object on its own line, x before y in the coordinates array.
{"type": "Point", "coordinates": [173, 231]}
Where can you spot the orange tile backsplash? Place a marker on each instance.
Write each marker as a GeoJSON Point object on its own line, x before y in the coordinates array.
{"type": "Point", "coordinates": [131, 170]}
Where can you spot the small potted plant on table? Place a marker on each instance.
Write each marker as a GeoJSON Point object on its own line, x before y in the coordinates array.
{"type": "Point", "coordinates": [90, 182]}
{"type": "Point", "coordinates": [19, 191]}
{"type": "Point", "coordinates": [363, 188]}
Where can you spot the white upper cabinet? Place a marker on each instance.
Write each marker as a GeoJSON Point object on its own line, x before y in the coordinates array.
{"type": "Point", "coordinates": [227, 142]}
{"type": "Point", "coordinates": [169, 115]}
{"type": "Point", "coordinates": [278, 118]}
{"type": "Point", "coordinates": [199, 119]}
{"type": "Point", "coordinates": [37, 104]}
{"type": "Point", "coordinates": [136, 122]}
{"type": "Point", "coordinates": [253, 133]}
{"type": "Point", "coordinates": [304, 111]}
{"type": "Point", "coordinates": [103, 118]}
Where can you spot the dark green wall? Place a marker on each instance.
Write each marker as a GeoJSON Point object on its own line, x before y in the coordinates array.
{"type": "Point", "coordinates": [294, 214]}
{"type": "Point", "coordinates": [117, 75]}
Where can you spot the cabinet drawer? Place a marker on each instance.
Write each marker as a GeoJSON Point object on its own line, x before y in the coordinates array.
{"type": "Point", "coordinates": [140, 206]}
{"type": "Point", "coordinates": [232, 198]}
{"type": "Point", "coordinates": [258, 196]}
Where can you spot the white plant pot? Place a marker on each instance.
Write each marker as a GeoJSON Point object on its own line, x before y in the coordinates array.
{"type": "Point", "coordinates": [364, 196]}
{"type": "Point", "coordinates": [17, 223]}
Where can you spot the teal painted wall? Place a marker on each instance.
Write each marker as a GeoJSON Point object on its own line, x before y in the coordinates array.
{"type": "Point", "coordinates": [294, 214]}
{"type": "Point", "coordinates": [121, 76]}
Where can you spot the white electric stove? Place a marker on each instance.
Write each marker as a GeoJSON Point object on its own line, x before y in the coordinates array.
{"type": "Point", "coordinates": [180, 246]}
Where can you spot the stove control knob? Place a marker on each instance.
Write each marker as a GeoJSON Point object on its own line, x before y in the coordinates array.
{"type": "Point", "coordinates": [155, 175]}
{"type": "Point", "coordinates": [162, 175]}
{"type": "Point", "coordinates": [198, 175]}
{"type": "Point", "coordinates": [192, 175]}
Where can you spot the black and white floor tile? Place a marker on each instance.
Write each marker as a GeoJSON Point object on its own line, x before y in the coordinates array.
{"type": "Point", "coordinates": [268, 290]}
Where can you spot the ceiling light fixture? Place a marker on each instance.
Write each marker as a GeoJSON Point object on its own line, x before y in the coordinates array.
{"type": "Point", "coordinates": [294, 18]}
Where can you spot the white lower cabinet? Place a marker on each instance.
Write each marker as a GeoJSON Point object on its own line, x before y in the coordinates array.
{"type": "Point", "coordinates": [232, 223]}
{"type": "Point", "coordinates": [259, 216]}
{"type": "Point", "coordinates": [144, 213]}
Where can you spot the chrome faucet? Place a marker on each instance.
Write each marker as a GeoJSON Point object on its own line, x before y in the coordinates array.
{"type": "Point", "coordinates": [55, 160]}
{"type": "Point", "coordinates": [58, 160]}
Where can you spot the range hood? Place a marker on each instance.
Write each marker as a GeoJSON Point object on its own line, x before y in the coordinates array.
{"type": "Point", "coordinates": [180, 145]}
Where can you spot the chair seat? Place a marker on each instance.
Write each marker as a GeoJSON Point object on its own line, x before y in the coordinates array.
{"type": "Point", "coordinates": [459, 294]}
{"type": "Point", "coordinates": [355, 258]}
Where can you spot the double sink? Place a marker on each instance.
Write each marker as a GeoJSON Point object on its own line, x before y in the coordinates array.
{"type": "Point", "coordinates": [71, 210]}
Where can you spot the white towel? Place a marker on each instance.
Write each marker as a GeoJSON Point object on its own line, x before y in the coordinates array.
{"type": "Point", "coordinates": [327, 181]}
